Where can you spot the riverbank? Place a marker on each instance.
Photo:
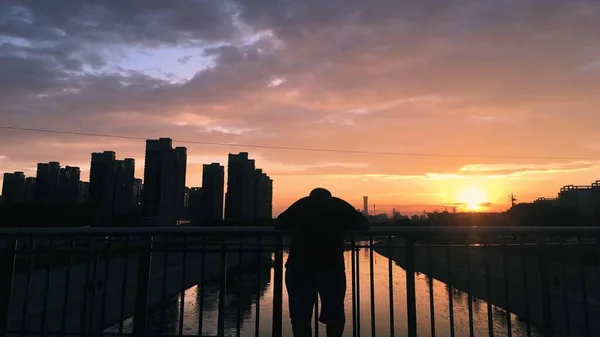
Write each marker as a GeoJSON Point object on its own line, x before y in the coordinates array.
{"type": "Point", "coordinates": [449, 265]}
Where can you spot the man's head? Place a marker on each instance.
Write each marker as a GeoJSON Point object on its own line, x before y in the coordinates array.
{"type": "Point", "coordinates": [320, 194]}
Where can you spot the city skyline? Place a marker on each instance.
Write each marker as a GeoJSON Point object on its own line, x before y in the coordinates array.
{"type": "Point", "coordinates": [162, 194]}
{"type": "Point", "coordinates": [472, 199]}
{"type": "Point", "coordinates": [501, 82]}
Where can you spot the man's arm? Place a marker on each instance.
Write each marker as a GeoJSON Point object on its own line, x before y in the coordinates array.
{"type": "Point", "coordinates": [361, 222]}
{"type": "Point", "coordinates": [352, 219]}
{"type": "Point", "coordinates": [290, 217]}
{"type": "Point", "coordinates": [281, 223]}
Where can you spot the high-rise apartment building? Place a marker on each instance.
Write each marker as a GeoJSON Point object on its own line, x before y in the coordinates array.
{"type": "Point", "coordinates": [68, 184]}
{"type": "Point", "coordinates": [163, 195]}
{"type": "Point", "coordinates": [263, 195]}
{"type": "Point", "coordinates": [29, 189]}
{"type": "Point", "coordinates": [124, 177]}
{"type": "Point", "coordinates": [195, 204]}
{"type": "Point", "coordinates": [84, 192]}
{"type": "Point", "coordinates": [112, 185]}
{"type": "Point", "coordinates": [46, 182]}
{"type": "Point", "coordinates": [213, 184]}
{"type": "Point", "coordinates": [137, 195]}
{"type": "Point", "coordinates": [180, 154]}
{"type": "Point", "coordinates": [102, 182]}
{"type": "Point", "coordinates": [239, 202]}
{"type": "Point", "coordinates": [13, 187]}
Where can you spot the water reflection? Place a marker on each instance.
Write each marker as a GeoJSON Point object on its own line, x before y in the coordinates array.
{"type": "Point", "coordinates": [247, 290]}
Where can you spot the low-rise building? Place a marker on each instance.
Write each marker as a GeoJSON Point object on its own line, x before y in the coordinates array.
{"type": "Point", "coordinates": [584, 199]}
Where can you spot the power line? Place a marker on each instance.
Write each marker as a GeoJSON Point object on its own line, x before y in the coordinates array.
{"type": "Point", "coordinates": [290, 148]}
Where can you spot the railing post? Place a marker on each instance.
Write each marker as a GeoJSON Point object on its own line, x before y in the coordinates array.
{"type": "Point", "coordinates": [278, 287]}
{"type": "Point", "coordinates": [391, 284]}
{"type": "Point", "coordinates": [544, 289]}
{"type": "Point", "coordinates": [8, 250]}
{"type": "Point", "coordinates": [141, 293]}
{"type": "Point", "coordinates": [259, 255]}
{"type": "Point", "coordinates": [357, 289]}
{"type": "Point", "coordinates": [353, 273]}
{"type": "Point", "coordinates": [411, 302]}
{"type": "Point", "coordinates": [222, 288]}
{"type": "Point", "coordinates": [488, 286]}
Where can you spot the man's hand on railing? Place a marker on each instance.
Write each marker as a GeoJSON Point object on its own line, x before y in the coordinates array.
{"type": "Point", "coordinates": [279, 224]}
{"type": "Point", "coordinates": [362, 224]}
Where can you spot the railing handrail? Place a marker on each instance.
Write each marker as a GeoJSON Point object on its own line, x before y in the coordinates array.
{"type": "Point", "coordinates": [269, 230]}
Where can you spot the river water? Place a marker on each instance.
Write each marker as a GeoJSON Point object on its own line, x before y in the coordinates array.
{"type": "Point", "coordinates": [246, 290]}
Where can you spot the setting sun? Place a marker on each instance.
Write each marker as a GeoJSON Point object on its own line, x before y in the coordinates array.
{"type": "Point", "coordinates": [472, 198]}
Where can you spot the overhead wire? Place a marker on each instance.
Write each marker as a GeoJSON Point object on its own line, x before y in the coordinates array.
{"type": "Point", "coordinates": [293, 148]}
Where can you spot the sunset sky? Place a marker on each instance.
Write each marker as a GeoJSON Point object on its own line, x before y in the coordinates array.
{"type": "Point", "coordinates": [486, 79]}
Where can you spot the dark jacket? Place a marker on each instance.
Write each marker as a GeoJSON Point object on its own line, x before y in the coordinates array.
{"type": "Point", "coordinates": [318, 227]}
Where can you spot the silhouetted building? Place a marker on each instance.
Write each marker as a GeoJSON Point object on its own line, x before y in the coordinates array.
{"type": "Point", "coordinates": [179, 179]}
{"type": "Point", "coordinates": [163, 194]}
{"type": "Point", "coordinates": [186, 199]}
{"type": "Point", "coordinates": [397, 216]}
{"type": "Point", "coordinates": [544, 200]}
{"type": "Point", "coordinates": [263, 196]}
{"type": "Point", "coordinates": [239, 201]}
{"type": "Point", "coordinates": [46, 183]}
{"type": "Point", "coordinates": [84, 192]}
{"type": "Point", "coordinates": [137, 195]}
{"type": "Point", "coordinates": [112, 185]}
{"type": "Point", "coordinates": [68, 184]}
{"type": "Point", "coordinates": [29, 189]}
{"type": "Point", "coordinates": [195, 204]}
{"type": "Point", "coordinates": [584, 199]}
{"type": "Point", "coordinates": [213, 184]}
{"type": "Point", "coordinates": [365, 206]}
{"type": "Point", "coordinates": [102, 182]}
{"type": "Point", "coordinates": [124, 203]}
{"type": "Point", "coordinates": [13, 187]}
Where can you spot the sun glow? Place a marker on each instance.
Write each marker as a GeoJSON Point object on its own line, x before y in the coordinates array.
{"type": "Point", "coordinates": [473, 199]}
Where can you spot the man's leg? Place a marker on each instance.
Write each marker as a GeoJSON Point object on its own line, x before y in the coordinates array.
{"type": "Point", "coordinates": [302, 294]}
{"type": "Point", "coordinates": [332, 289]}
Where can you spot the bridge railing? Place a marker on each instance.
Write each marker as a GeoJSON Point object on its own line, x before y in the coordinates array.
{"type": "Point", "coordinates": [210, 281]}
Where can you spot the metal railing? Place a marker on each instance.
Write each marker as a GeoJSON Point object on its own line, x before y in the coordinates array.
{"type": "Point", "coordinates": [228, 281]}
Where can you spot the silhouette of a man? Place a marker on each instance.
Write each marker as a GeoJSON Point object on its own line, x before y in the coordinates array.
{"type": "Point", "coordinates": [315, 264]}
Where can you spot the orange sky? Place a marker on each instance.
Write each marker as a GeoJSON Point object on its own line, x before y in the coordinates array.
{"type": "Point", "coordinates": [494, 78]}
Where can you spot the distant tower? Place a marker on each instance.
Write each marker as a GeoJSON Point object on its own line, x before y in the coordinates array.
{"type": "Point", "coordinates": [366, 205]}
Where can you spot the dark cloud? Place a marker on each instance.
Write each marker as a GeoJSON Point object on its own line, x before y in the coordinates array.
{"type": "Point", "coordinates": [25, 76]}
{"type": "Point", "coordinates": [140, 21]}
{"type": "Point", "coordinates": [388, 76]}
